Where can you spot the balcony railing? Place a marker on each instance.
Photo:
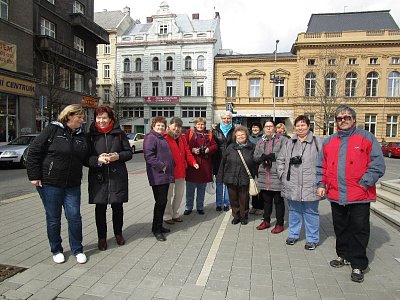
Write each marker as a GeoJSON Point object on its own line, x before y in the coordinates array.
{"type": "Point", "coordinates": [101, 35]}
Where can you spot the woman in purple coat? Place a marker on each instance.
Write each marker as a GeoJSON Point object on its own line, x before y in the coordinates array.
{"type": "Point", "coordinates": [160, 172]}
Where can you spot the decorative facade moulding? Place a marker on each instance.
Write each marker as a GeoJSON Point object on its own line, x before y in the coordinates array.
{"type": "Point", "coordinates": [168, 99]}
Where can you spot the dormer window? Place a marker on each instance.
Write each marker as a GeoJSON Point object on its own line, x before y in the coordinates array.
{"type": "Point", "coordinates": [163, 29]}
{"type": "Point", "coordinates": [78, 7]}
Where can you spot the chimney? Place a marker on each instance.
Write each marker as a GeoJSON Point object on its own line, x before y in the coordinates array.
{"type": "Point", "coordinates": [195, 16]}
{"type": "Point", "coordinates": [127, 10]}
{"type": "Point", "coordinates": [149, 19]}
{"type": "Point", "coordinates": [217, 15]}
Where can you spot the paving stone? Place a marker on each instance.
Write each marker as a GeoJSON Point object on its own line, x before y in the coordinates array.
{"type": "Point", "coordinates": [217, 285]}
{"type": "Point", "coordinates": [72, 292]}
{"type": "Point", "coordinates": [168, 292]}
{"type": "Point", "coordinates": [237, 294]}
{"type": "Point", "coordinates": [191, 291]}
{"type": "Point", "coordinates": [126, 286]}
{"type": "Point", "coordinates": [45, 294]}
{"type": "Point", "coordinates": [213, 295]}
{"type": "Point", "coordinates": [114, 295]}
{"type": "Point", "coordinates": [61, 283]}
{"type": "Point", "coordinates": [33, 286]}
{"type": "Point", "coordinates": [14, 294]}
{"type": "Point", "coordinates": [99, 289]}
{"type": "Point", "coordinates": [142, 294]}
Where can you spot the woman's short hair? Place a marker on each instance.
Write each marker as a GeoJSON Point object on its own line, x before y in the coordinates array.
{"type": "Point", "coordinates": [70, 110]}
{"type": "Point", "coordinates": [240, 128]}
{"type": "Point", "coordinates": [302, 118]}
{"type": "Point", "coordinates": [226, 113]}
{"type": "Point", "coordinates": [281, 126]}
{"type": "Point", "coordinates": [176, 120]}
{"type": "Point", "coordinates": [200, 120]}
{"type": "Point", "coordinates": [159, 119]}
{"type": "Point", "coordinates": [105, 109]}
{"type": "Point", "coordinates": [257, 124]}
{"type": "Point", "coordinates": [269, 121]}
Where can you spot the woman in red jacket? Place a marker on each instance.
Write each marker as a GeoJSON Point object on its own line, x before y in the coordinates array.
{"type": "Point", "coordinates": [182, 158]}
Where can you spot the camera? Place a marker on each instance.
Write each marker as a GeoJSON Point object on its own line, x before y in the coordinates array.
{"type": "Point", "coordinates": [202, 150]}
{"type": "Point", "coordinates": [295, 160]}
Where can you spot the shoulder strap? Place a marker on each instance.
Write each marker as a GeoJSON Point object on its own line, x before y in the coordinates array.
{"type": "Point", "coordinates": [190, 134]}
{"type": "Point", "coordinates": [244, 163]}
{"type": "Point", "coordinates": [315, 142]}
{"type": "Point", "coordinates": [210, 135]}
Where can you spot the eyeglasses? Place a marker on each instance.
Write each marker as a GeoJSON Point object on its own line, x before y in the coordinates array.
{"type": "Point", "coordinates": [345, 118]}
{"type": "Point", "coordinates": [268, 126]}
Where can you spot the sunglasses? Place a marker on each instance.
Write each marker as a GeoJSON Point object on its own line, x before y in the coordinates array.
{"type": "Point", "coordinates": [345, 118]}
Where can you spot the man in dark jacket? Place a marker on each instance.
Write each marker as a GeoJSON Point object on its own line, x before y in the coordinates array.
{"type": "Point", "coordinates": [350, 164]}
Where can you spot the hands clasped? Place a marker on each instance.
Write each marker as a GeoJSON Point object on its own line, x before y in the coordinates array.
{"type": "Point", "coordinates": [106, 158]}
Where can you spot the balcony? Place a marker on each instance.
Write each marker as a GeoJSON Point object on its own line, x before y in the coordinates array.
{"type": "Point", "coordinates": [47, 43]}
{"type": "Point", "coordinates": [80, 20]}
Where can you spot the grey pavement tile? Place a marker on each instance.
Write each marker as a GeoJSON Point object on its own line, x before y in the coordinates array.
{"type": "Point", "coordinates": [45, 294]}
{"type": "Point", "coordinates": [282, 276]}
{"type": "Point", "coordinates": [175, 280]}
{"type": "Point", "coordinates": [284, 297]}
{"type": "Point", "coordinates": [114, 295]}
{"type": "Point", "coordinates": [261, 292]}
{"type": "Point", "coordinates": [72, 292]}
{"type": "Point", "coordinates": [14, 294]}
{"type": "Point", "coordinates": [151, 283]}
{"type": "Point", "coordinates": [99, 289]}
{"type": "Point", "coordinates": [283, 288]}
{"type": "Point", "coordinates": [305, 283]}
{"type": "Point", "coordinates": [241, 271]}
{"type": "Point", "coordinates": [237, 294]}
{"type": "Point", "coordinates": [356, 297]}
{"type": "Point", "coordinates": [112, 278]}
{"type": "Point", "coordinates": [306, 294]}
{"type": "Point", "coordinates": [168, 292]}
{"type": "Point", "coordinates": [9, 285]}
{"type": "Point", "coordinates": [327, 279]}
{"type": "Point", "coordinates": [330, 291]}
{"type": "Point", "coordinates": [90, 297]}
{"type": "Point", "coordinates": [219, 274]}
{"type": "Point", "coordinates": [50, 274]}
{"type": "Point", "coordinates": [217, 285]}
{"type": "Point", "coordinates": [86, 281]}
{"type": "Point", "coordinates": [351, 287]}
{"type": "Point", "coordinates": [33, 286]}
{"type": "Point", "coordinates": [126, 286]}
{"type": "Point", "coordinates": [142, 294]}
{"type": "Point", "coordinates": [302, 272]}
{"type": "Point", "coordinates": [61, 283]}
{"type": "Point", "coordinates": [261, 269]}
{"type": "Point", "coordinates": [191, 291]}
{"type": "Point", "coordinates": [239, 282]}
{"type": "Point", "coordinates": [75, 272]}
{"type": "Point", "coordinates": [213, 295]}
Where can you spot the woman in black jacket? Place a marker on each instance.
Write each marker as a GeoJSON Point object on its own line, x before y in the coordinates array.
{"type": "Point", "coordinates": [232, 172]}
{"type": "Point", "coordinates": [108, 176]}
{"type": "Point", "coordinates": [54, 166]}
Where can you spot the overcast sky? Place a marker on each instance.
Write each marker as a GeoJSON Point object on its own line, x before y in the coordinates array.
{"type": "Point", "coordinates": [253, 26]}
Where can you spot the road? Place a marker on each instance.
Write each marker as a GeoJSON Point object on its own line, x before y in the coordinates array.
{"type": "Point", "coordinates": [14, 182]}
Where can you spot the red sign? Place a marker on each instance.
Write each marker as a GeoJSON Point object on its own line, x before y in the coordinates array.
{"type": "Point", "coordinates": [162, 99]}
{"type": "Point", "coordinates": [89, 102]}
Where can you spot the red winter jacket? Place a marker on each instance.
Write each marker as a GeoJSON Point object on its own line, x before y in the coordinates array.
{"type": "Point", "coordinates": [181, 154]}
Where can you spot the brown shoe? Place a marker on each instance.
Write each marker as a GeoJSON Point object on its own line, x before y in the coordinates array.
{"type": "Point", "coordinates": [178, 219]}
{"type": "Point", "coordinates": [102, 244]}
{"type": "Point", "coordinates": [170, 222]}
{"type": "Point", "coordinates": [120, 239]}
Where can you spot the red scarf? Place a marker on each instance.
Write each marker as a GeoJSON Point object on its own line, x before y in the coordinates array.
{"type": "Point", "coordinates": [106, 129]}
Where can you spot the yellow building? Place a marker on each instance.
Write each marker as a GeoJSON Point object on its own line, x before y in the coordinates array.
{"type": "Point", "coordinates": [351, 58]}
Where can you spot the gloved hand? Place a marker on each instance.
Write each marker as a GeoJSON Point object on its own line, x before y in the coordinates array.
{"type": "Point", "coordinates": [270, 157]}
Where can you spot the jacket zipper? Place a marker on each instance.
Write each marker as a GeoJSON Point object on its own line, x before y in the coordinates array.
{"type": "Point", "coordinates": [50, 167]}
{"type": "Point", "coordinates": [108, 171]}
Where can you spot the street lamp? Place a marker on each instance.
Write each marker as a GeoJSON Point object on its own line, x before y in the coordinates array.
{"type": "Point", "coordinates": [274, 92]}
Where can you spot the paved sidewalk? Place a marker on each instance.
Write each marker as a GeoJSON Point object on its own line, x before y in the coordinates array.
{"type": "Point", "coordinates": [205, 257]}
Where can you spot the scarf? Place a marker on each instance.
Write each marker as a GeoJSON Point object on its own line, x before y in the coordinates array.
{"type": "Point", "coordinates": [106, 129]}
{"type": "Point", "coordinates": [225, 128]}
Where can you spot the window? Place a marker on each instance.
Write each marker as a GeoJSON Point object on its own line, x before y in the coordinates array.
{"type": "Point", "coordinates": [330, 85]}
{"type": "Point", "coordinates": [329, 125]}
{"type": "Point", "coordinates": [4, 9]}
{"type": "Point", "coordinates": [106, 71]}
{"type": "Point", "coordinates": [163, 29]}
{"type": "Point", "coordinates": [187, 89]}
{"type": "Point", "coordinates": [78, 7]}
{"type": "Point", "coordinates": [127, 89]}
{"type": "Point", "coordinates": [372, 84]}
{"type": "Point", "coordinates": [310, 85]}
{"type": "Point", "coordinates": [311, 117]}
{"type": "Point", "coordinates": [168, 88]}
{"type": "Point", "coordinates": [132, 112]}
{"type": "Point", "coordinates": [188, 63]}
{"type": "Point", "coordinates": [351, 85]}
{"type": "Point", "coordinates": [194, 112]}
{"type": "Point", "coordinates": [167, 112]}
{"type": "Point", "coordinates": [64, 78]}
{"type": "Point", "coordinates": [231, 88]}
{"type": "Point", "coordinates": [370, 123]}
{"type": "Point", "coordinates": [138, 65]}
{"type": "Point", "coordinates": [154, 86]}
{"type": "Point", "coordinates": [279, 88]}
{"type": "Point", "coordinates": [78, 82]}
{"type": "Point", "coordinates": [391, 125]}
{"type": "Point", "coordinates": [200, 63]}
{"type": "Point", "coordinates": [47, 73]}
{"type": "Point", "coordinates": [394, 84]}
{"type": "Point", "coordinates": [331, 61]}
{"type": "Point", "coordinates": [156, 64]}
{"type": "Point", "coordinates": [47, 28]}
{"type": "Point", "coordinates": [395, 60]}
{"type": "Point", "coordinates": [107, 49]}
{"type": "Point", "coordinates": [127, 65]}
{"type": "Point", "coordinates": [97, 49]}
{"type": "Point", "coordinates": [51, 1]}
{"type": "Point", "coordinates": [311, 62]}
{"type": "Point", "coordinates": [107, 95]}
{"type": "Point", "coordinates": [169, 63]}
{"type": "Point", "coordinates": [138, 89]}
{"type": "Point", "coordinates": [200, 89]}
{"type": "Point", "coordinates": [352, 61]}
{"type": "Point", "coordinates": [79, 44]}
{"type": "Point", "coordinates": [373, 61]}
{"type": "Point", "coordinates": [254, 88]}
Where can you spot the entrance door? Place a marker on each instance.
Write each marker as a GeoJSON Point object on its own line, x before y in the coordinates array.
{"type": "Point", "coordinates": [8, 119]}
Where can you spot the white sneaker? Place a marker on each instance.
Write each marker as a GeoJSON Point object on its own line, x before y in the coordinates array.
{"type": "Point", "coordinates": [81, 258]}
{"type": "Point", "coordinates": [59, 258]}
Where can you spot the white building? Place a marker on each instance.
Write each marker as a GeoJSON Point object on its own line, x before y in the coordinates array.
{"type": "Point", "coordinates": [166, 67]}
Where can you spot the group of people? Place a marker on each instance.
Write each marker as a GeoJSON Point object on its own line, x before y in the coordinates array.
{"type": "Point", "coordinates": [301, 170]}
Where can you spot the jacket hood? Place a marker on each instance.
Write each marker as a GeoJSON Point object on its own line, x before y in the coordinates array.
{"type": "Point", "coordinates": [116, 129]}
{"type": "Point", "coordinates": [63, 126]}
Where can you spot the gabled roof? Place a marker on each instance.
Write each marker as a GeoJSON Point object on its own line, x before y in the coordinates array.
{"type": "Point", "coordinates": [109, 19]}
{"type": "Point", "coordinates": [349, 21]}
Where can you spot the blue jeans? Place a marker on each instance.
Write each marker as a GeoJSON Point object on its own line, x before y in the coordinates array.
{"type": "Point", "coordinates": [190, 189]}
{"type": "Point", "coordinates": [54, 199]}
{"type": "Point", "coordinates": [221, 192]}
{"type": "Point", "coordinates": [309, 211]}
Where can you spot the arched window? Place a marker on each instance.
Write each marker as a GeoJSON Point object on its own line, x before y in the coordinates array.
{"type": "Point", "coordinates": [127, 65]}
{"type": "Point", "coordinates": [351, 85]}
{"type": "Point", "coordinates": [200, 62]}
{"type": "Point", "coordinates": [394, 84]}
{"type": "Point", "coordinates": [169, 63]}
{"type": "Point", "coordinates": [330, 85]}
{"type": "Point", "coordinates": [138, 65]}
{"type": "Point", "coordinates": [310, 84]}
{"type": "Point", "coordinates": [188, 63]}
{"type": "Point", "coordinates": [372, 84]}
{"type": "Point", "coordinates": [156, 64]}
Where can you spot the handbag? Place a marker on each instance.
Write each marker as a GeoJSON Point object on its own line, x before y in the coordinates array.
{"type": "Point", "coordinates": [210, 187]}
{"type": "Point", "coordinates": [253, 190]}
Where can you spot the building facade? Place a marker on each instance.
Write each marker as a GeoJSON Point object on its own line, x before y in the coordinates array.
{"type": "Point", "coordinates": [351, 58]}
{"type": "Point", "coordinates": [166, 67]}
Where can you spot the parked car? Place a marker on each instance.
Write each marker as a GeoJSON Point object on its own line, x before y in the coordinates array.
{"type": "Point", "coordinates": [391, 149]}
{"type": "Point", "coordinates": [136, 141]}
{"type": "Point", "coordinates": [12, 153]}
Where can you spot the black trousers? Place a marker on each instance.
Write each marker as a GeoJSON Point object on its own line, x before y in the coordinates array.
{"type": "Point", "coordinates": [270, 198]}
{"type": "Point", "coordinates": [352, 229]}
{"type": "Point", "coordinates": [160, 193]}
{"type": "Point", "coordinates": [257, 202]}
{"type": "Point", "coordinates": [101, 220]}
{"type": "Point", "coordinates": [239, 200]}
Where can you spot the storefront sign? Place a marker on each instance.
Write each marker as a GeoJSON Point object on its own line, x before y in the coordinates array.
{"type": "Point", "coordinates": [89, 102]}
{"type": "Point", "coordinates": [162, 99]}
{"type": "Point", "coordinates": [17, 86]}
{"type": "Point", "coordinates": [8, 56]}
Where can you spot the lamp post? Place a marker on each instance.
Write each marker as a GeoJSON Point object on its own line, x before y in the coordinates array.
{"type": "Point", "coordinates": [274, 92]}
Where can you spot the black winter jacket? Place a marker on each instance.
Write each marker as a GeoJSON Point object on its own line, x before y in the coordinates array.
{"type": "Point", "coordinates": [57, 155]}
{"type": "Point", "coordinates": [222, 142]}
{"type": "Point", "coordinates": [108, 183]}
{"type": "Point", "coordinates": [232, 170]}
